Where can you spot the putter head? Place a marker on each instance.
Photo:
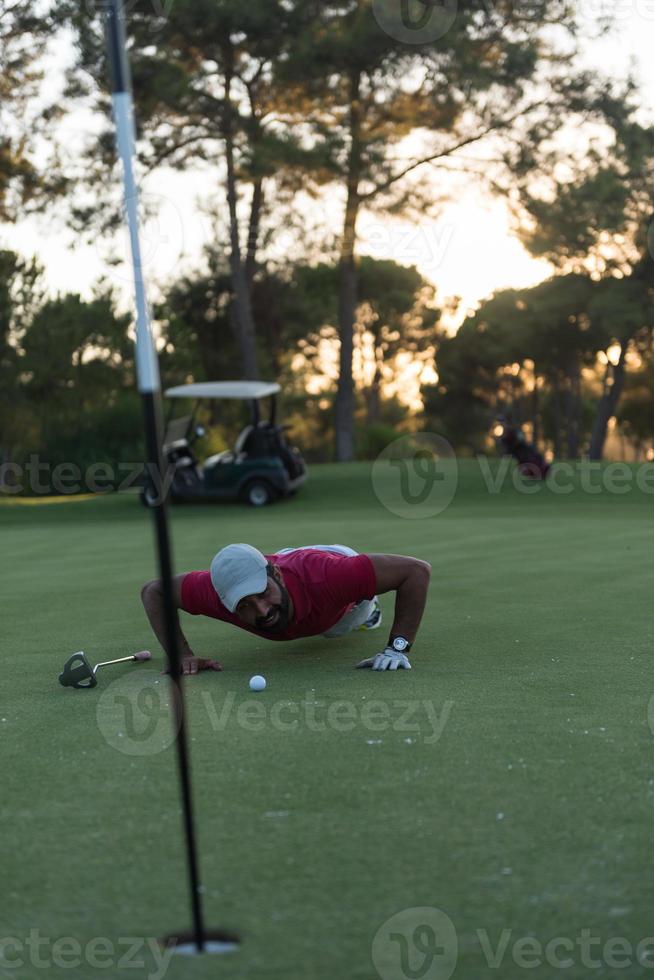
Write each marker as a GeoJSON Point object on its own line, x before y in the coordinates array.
{"type": "Point", "coordinates": [77, 672]}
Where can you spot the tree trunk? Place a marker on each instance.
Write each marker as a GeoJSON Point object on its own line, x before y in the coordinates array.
{"type": "Point", "coordinates": [572, 411]}
{"type": "Point", "coordinates": [607, 405]}
{"type": "Point", "coordinates": [253, 232]}
{"type": "Point", "coordinates": [557, 418]}
{"type": "Point", "coordinates": [344, 404]}
{"type": "Point", "coordinates": [579, 412]}
{"type": "Point", "coordinates": [241, 313]}
{"type": "Point", "coordinates": [373, 397]}
{"type": "Point", "coordinates": [535, 409]}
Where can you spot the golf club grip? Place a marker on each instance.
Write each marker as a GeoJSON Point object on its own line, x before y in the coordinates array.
{"type": "Point", "coordinates": [143, 655]}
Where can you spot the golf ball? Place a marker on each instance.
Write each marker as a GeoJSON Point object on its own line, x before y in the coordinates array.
{"type": "Point", "coordinates": [257, 683]}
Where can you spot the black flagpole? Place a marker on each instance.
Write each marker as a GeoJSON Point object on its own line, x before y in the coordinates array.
{"type": "Point", "coordinates": [149, 385]}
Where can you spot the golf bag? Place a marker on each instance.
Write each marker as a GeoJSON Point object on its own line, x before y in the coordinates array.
{"type": "Point", "coordinates": [512, 442]}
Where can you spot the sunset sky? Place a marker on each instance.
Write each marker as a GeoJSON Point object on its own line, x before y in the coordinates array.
{"type": "Point", "coordinates": [468, 251]}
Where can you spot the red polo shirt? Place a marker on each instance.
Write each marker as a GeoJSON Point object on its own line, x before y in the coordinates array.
{"type": "Point", "coordinates": [323, 587]}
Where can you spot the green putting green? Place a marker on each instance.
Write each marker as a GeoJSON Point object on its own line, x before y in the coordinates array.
{"type": "Point", "coordinates": [507, 780]}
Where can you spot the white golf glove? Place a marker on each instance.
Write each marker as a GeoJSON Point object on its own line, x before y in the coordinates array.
{"type": "Point", "coordinates": [389, 659]}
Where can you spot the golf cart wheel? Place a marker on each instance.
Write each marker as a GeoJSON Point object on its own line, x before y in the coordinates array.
{"type": "Point", "coordinates": [258, 493]}
{"type": "Point", "coordinates": [145, 496]}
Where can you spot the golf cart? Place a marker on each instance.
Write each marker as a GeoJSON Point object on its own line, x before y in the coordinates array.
{"type": "Point", "coordinates": [261, 467]}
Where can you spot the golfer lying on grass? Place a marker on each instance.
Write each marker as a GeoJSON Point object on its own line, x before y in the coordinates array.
{"type": "Point", "coordinates": [327, 590]}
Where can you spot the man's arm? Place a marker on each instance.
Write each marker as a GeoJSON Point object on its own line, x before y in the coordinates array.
{"type": "Point", "coordinates": [153, 603]}
{"type": "Point", "coordinates": [409, 579]}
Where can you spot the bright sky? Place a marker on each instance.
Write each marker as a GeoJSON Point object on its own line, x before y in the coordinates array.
{"type": "Point", "coordinates": [469, 251]}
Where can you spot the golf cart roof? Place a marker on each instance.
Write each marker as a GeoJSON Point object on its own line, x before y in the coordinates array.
{"type": "Point", "coordinates": [225, 389]}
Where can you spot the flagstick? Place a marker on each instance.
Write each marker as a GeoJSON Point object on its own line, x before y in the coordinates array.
{"type": "Point", "coordinates": [149, 385]}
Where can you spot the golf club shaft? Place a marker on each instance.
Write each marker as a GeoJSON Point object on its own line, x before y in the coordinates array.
{"type": "Point", "coordinates": [147, 369]}
{"type": "Point", "coordinates": [121, 660]}
{"type": "Point", "coordinates": [141, 656]}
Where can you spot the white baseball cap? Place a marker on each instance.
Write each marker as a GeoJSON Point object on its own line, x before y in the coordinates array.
{"type": "Point", "coordinates": [236, 571]}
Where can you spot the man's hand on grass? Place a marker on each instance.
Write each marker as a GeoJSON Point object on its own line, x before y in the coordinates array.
{"type": "Point", "coordinates": [388, 659]}
{"type": "Point", "coordinates": [193, 665]}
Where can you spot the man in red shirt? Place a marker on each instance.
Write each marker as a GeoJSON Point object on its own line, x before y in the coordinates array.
{"type": "Point", "coordinates": [326, 590]}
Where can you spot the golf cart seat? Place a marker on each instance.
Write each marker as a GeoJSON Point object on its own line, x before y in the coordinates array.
{"type": "Point", "coordinates": [244, 442]}
{"type": "Point", "coordinates": [252, 441]}
{"type": "Point", "coordinates": [262, 439]}
{"type": "Point", "coordinates": [226, 456]}
{"type": "Point", "coordinates": [178, 451]}
{"type": "Point", "coordinates": [177, 431]}
{"type": "Point", "coordinates": [232, 455]}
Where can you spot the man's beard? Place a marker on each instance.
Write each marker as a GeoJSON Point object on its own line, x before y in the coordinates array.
{"type": "Point", "coordinates": [282, 609]}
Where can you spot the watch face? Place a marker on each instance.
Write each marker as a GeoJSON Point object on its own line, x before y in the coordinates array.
{"type": "Point", "coordinates": [400, 644]}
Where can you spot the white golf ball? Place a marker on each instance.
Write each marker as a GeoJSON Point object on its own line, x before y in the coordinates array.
{"type": "Point", "coordinates": [257, 683]}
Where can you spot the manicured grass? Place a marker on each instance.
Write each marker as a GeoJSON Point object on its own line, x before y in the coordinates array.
{"type": "Point", "coordinates": [532, 812]}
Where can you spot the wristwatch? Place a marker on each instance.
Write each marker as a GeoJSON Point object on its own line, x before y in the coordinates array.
{"type": "Point", "coordinates": [400, 644]}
